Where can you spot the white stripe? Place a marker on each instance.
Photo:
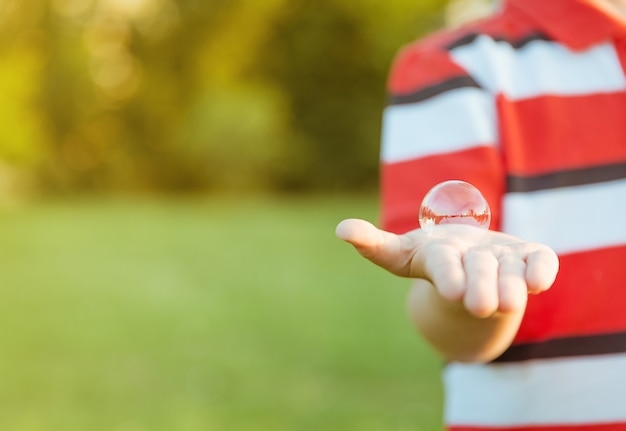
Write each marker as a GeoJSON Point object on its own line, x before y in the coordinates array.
{"type": "Point", "coordinates": [453, 121]}
{"type": "Point", "coordinates": [569, 219]}
{"type": "Point", "coordinates": [540, 68]}
{"type": "Point", "coordinates": [549, 392]}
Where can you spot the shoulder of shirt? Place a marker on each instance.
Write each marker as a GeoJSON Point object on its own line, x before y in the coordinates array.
{"type": "Point", "coordinates": [426, 61]}
{"type": "Point", "coordinates": [499, 25]}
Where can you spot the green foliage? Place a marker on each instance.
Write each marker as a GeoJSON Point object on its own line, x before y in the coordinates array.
{"type": "Point", "coordinates": [204, 315]}
{"type": "Point", "coordinates": [20, 69]}
{"type": "Point", "coordinates": [188, 95]}
{"type": "Point", "coordinates": [332, 58]}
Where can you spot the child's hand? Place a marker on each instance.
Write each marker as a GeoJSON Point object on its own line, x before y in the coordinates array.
{"type": "Point", "coordinates": [487, 271]}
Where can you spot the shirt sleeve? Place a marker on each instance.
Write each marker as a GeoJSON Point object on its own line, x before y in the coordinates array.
{"type": "Point", "coordinates": [440, 125]}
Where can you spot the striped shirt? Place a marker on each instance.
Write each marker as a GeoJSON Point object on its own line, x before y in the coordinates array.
{"type": "Point", "coordinates": [529, 105]}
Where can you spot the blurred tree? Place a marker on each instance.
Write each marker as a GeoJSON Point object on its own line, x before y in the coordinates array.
{"type": "Point", "coordinates": [332, 58]}
{"type": "Point", "coordinates": [193, 95]}
{"type": "Point", "coordinates": [23, 124]}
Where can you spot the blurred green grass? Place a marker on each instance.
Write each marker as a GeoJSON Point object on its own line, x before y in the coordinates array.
{"type": "Point", "coordinates": [216, 314]}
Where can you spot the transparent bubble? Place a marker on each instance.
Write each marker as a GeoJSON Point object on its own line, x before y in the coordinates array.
{"type": "Point", "coordinates": [456, 202]}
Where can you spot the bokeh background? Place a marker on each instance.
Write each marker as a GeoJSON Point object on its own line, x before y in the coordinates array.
{"type": "Point", "coordinates": [171, 173]}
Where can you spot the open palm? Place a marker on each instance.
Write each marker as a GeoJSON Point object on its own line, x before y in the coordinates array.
{"type": "Point", "coordinates": [486, 271]}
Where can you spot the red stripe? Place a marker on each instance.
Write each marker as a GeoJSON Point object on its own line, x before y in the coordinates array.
{"type": "Point", "coordinates": [594, 427]}
{"type": "Point", "coordinates": [620, 47]}
{"type": "Point", "coordinates": [404, 184]}
{"type": "Point", "coordinates": [587, 298]}
{"type": "Point", "coordinates": [415, 69]}
{"type": "Point", "coordinates": [565, 132]}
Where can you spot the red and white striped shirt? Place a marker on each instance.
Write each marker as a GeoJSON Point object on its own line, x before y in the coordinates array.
{"type": "Point", "coordinates": [529, 105]}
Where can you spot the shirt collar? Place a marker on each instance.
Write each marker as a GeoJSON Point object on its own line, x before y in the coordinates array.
{"type": "Point", "coordinates": [575, 23]}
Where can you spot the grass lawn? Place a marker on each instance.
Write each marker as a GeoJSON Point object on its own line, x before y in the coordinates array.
{"type": "Point", "coordinates": [214, 314]}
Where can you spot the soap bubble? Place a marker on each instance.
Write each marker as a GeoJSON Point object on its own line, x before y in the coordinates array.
{"type": "Point", "coordinates": [456, 202]}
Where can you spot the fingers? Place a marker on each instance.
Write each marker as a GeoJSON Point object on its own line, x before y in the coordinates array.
{"type": "Point", "coordinates": [542, 268]}
{"type": "Point", "coordinates": [512, 285]}
{"type": "Point", "coordinates": [500, 279]}
{"type": "Point", "coordinates": [482, 296]}
{"type": "Point", "coordinates": [490, 279]}
{"type": "Point", "coordinates": [478, 277]}
{"type": "Point", "coordinates": [443, 265]}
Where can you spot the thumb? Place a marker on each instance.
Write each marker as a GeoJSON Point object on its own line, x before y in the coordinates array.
{"type": "Point", "coordinates": [360, 233]}
{"type": "Point", "coordinates": [381, 247]}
